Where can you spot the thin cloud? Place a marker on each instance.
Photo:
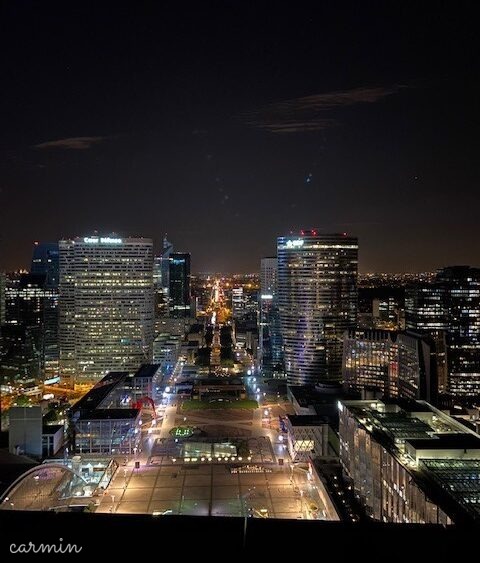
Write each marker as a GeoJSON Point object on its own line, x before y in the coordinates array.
{"type": "Point", "coordinates": [308, 113]}
{"type": "Point", "coordinates": [72, 143]}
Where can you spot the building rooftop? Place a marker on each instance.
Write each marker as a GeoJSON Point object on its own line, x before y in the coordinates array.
{"type": "Point", "coordinates": [459, 479]}
{"type": "Point", "coordinates": [51, 428]}
{"type": "Point", "coordinates": [450, 472]}
{"type": "Point", "coordinates": [106, 414]}
{"type": "Point", "coordinates": [307, 420]}
{"type": "Point", "coordinates": [449, 441]}
{"type": "Point", "coordinates": [99, 393]}
{"type": "Point", "coordinates": [147, 370]}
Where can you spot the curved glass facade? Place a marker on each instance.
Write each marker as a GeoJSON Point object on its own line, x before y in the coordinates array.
{"type": "Point", "coordinates": [317, 300]}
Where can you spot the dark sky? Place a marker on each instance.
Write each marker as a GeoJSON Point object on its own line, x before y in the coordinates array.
{"type": "Point", "coordinates": [225, 124]}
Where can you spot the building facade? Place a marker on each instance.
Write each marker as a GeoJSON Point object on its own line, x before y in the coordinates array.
{"type": "Point", "coordinates": [392, 364]}
{"type": "Point", "coordinates": [32, 303]}
{"type": "Point", "coordinates": [179, 285]}
{"type": "Point", "coordinates": [161, 275]}
{"type": "Point", "coordinates": [317, 302]}
{"type": "Point", "coordinates": [103, 421]}
{"type": "Point", "coordinates": [396, 454]}
{"type": "Point", "coordinates": [45, 261]}
{"type": "Point", "coordinates": [270, 337]}
{"type": "Point", "coordinates": [3, 280]}
{"type": "Point", "coordinates": [449, 310]}
{"type": "Point", "coordinates": [461, 287]}
{"type": "Point", "coordinates": [106, 310]}
{"type": "Point", "coordinates": [307, 437]}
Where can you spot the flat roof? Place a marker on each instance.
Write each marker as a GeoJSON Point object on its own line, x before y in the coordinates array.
{"type": "Point", "coordinates": [51, 428]}
{"type": "Point", "coordinates": [147, 370]}
{"type": "Point", "coordinates": [459, 480]}
{"type": "Point", "coordinates": [102, 389]}
{"type": "Point", "coordinates": [440, 478]}
{"type": "Point", "coordinates": [447, 441]}
{"type": "Point", "coordinates": [106, 414]}
{"type": "Point", "coordinates": [307, 420]}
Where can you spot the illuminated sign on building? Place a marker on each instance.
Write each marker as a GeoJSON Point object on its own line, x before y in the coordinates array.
{"type": "Point", "coordinates": [102, 240]}
{"type": "Point", "coordinates": [295, 243]}
{"type": "Point", "coordinates": [268, 296]}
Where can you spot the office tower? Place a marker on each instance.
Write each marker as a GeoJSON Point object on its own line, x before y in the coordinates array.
{"type": "Point", "coordinates": [270, 338]}
{"type": "Point", "coordinates": [32, 304]}
{"type": "Point", "coordinates": [449, 310]}
{"type": "Point", "coordinates": [20, 359]}
{"type": "Point", "coordinates": [45, 262]}
{"type": "Point", "coordinates": [3, 280]}
{"type": "Point", "coordinates": [425, 312]}
{"type": "Point", "coordinates": [408, 462]}
{"type": "Point", "coordinates": [317, 301]}
{"type": "Point", "coordinates": [461, 285]}
{"type": "Point", "coordinates": [390, 364]}
{"type": "Point", "coordinates": [161, 275]}
{"type": "Point", "coordinates": [106, 306]}
{"type": "Point", "coordinates": [179, 284]}
{"type": "Point", "coordinates": [387, 313]}
{"type": "Point", "coordinates": [238, 302]}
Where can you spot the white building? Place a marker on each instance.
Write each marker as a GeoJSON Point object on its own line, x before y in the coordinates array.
{"type": "Point", "coordinates": [307, 437]}
{"type": "Point", "coordinates": [106, 307]}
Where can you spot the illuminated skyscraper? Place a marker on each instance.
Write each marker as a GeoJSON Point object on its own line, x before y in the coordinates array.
{"type": "Point", "coordinates": [426, 313]}
{"type": "Point", "coordinates": [106, 306]}
{"type": "Point", "coordinates": [3, 280]}
{"type": "Point", "coordinates": [461, 286]}
{"type": "Point", "coordinates": [317, 301]}
{"type": "Point", "coordinates": [179, 284]}
{"type": "Point", "coordinates": [161, 278]}
{"type": "Point", "coordinates": [238, 302]}
{"type": "Point", "coordinates": [449, 310]}
{"type": "Point", "coordinates": [270, 338]}
{"type": "Point", "coordinates": [45, 262]}
{"type": "Point", "coordinates": [389, 363]}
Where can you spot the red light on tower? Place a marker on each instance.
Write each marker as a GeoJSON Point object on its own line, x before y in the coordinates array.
{"type": "Point", "coordinates": [314, 233]}
{"type": "Point", "coordinates": [36, 243]}
{"type": "Point", "coordinates": [344, 234]}
{"type": "Point", "coordinates": [302, 233]}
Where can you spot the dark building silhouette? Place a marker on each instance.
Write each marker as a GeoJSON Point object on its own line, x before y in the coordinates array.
{"type": "Point", "coordinates": [179, 284]}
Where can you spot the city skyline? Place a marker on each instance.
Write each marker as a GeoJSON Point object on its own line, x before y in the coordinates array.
{"type": "Point", "coordinates": [26, 266]}
{"type": "Point", "coordinates": [255, 123]}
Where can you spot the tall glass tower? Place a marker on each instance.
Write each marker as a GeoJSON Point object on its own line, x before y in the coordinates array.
{"type": "Point", "coordinates": [317, 301]}
{"type": "Point", "coordinates": [461, 286]}
{"type": "Point", "coordinates": [161, 278]}
{"type": "Point", "coordinates": [449, 310]}
{"type": "Point", "coordinates": [179, 282]}
{"type": "Point", "coordinates": [270, 340]}
{"type": "Point", "coordinates": [45, 262]}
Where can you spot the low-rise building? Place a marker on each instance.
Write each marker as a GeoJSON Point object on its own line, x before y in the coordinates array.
{"type": "Point", "coordinates": [307, 437]}
{"type": "Point", "coordinates": [103, 422]}
{"type": "Point", "coordinates": [393, 364]}
{"type": "Point", "coordinates": [409, 462]}
{"type": "Point", "coordinates": [145, 380]}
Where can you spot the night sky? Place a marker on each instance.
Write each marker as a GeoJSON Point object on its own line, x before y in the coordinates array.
{"type": "Point", "coordinates": [226, 124]}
